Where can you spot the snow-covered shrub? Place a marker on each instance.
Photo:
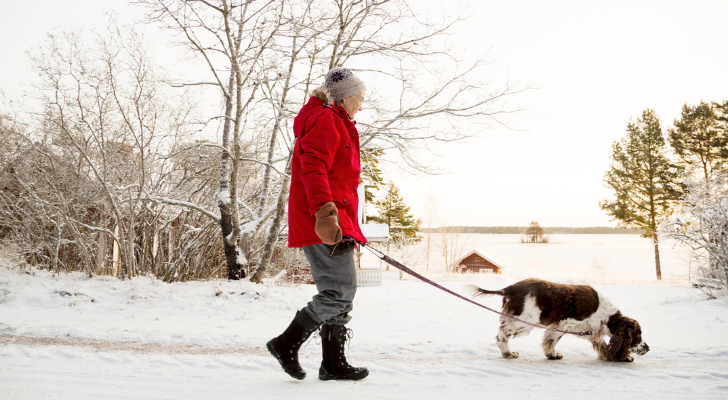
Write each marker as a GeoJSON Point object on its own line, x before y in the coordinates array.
{"type": "Point", "coordinates": [292, 260]}
{"type": "Point", "coordinates": [42, 195]}
{"type": "Point", "coordinates": [702, 224]}
{"type": "Point", "coordinates": [89, 185]}
{"type": "Point", "coordinates": [599, 272]}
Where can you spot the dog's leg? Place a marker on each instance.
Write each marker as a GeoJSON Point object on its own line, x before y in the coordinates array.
{"type": "Point", "coordinates": [505, 332]}
{"type": "Point", "coordinates": [600, 346]}
{"type": "Point", "coordinates": [550, 339]}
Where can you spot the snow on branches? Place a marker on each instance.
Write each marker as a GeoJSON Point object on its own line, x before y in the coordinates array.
{"type": "Point", "coordinates": [702, 224]}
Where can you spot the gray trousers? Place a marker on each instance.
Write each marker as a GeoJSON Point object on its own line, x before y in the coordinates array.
{"type": "Point", "coordinates": [335, 279]}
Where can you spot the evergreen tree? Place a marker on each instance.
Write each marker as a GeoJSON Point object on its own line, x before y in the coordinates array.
{"type": "Point", "coordinates": [371, 174]}
{"type": "Point", "coordinates": [534, 232]}
{"type": "Point", "coordinates": [396, 214]}
{"type": "Point", "coordinates": [721, 116]}
{"type": "Point", "coordinates": [698, 140]}
{"type": "Point", "coordinates": [643, 179]}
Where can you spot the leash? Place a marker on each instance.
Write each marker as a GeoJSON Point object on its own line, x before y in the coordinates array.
{"type": "Point", "coordinates": [403, 268]}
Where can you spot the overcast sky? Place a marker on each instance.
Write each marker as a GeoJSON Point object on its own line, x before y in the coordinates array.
{"type": "Point", "coordinates": [593, 64]}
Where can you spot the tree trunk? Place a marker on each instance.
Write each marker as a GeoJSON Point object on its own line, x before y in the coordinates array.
{"type": "Point", "coordinates": [101, 254]}
{"type": "Point", "coordinates": [229, 220]}
{"type": "Point", "coordinates": [235, 270]}
{"type": "Point", "coordinates": [657, 257]}
{"type": "Point", "coordinates": [272, 237]}
{"type": "Point", "coordinates": [274, 136]}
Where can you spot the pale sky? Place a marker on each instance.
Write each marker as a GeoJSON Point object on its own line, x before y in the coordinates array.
{"type": "Point", "coordinates": [594, 65]}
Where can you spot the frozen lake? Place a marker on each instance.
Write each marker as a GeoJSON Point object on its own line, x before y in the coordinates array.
{"type": "Point", "coordinates": [567, 257]}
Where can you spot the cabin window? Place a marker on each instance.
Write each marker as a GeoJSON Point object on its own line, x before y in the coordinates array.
{"type": "Point", "coordinates": [486, 271]}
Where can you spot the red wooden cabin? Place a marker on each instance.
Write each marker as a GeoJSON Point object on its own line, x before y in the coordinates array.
{"type": "Point", "coordinates": [479, 264]}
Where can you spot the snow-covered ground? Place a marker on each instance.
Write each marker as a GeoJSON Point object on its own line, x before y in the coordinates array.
{"type": "Point", "coordinates": [74, 337]}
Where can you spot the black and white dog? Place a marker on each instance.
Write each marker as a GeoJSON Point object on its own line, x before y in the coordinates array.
{"type": "Point", "coordinates": [573, 308]}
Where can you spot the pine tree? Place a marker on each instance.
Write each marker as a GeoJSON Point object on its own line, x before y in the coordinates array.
{"type": "Point", "coordinates": [371, 174]}
{"type": "Point", "coordinates": [534, 232]}
{"type": "Point", "coordinates": [643, 179]}
{"type": "Point", "coordinates": [396, 214]}
{"type": "Point", "coordinates": [721, 116]}
{"type": "Point", "coordinates": [698, 140]}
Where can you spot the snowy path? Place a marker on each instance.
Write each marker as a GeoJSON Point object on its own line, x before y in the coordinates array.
{"type": "Point", "coordinates": [80, 369]}
{"type": "Point", "coordinates": [143, 339]}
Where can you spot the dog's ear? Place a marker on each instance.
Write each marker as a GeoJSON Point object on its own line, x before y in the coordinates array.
{"type": "Point", "coordinates": [618, 349]}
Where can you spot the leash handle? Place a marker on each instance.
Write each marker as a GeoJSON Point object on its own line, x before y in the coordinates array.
{"type": "Point", "coordinates": [403, 268]}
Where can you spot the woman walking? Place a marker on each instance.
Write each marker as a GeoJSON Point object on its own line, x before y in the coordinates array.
{"type": "Point", "coordinates": [322, 219]}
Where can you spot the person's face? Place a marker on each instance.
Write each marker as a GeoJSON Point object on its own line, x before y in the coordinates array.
{"type": "Point", "coordinates": [353, 104]}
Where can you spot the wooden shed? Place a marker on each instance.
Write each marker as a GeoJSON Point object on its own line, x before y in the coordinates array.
{"type": "Point", "coordinates": [479, 264]}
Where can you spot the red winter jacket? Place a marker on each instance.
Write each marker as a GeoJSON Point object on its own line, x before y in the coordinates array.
{"type": "Point", "coordinates": [326, 167]}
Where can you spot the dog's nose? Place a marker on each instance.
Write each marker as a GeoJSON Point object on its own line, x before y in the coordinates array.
{"type": "Point", "coordinates": [647, 348]}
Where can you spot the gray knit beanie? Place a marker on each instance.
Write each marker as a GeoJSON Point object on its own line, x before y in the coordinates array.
{"type": "Point", "coordinates": [342, 83]}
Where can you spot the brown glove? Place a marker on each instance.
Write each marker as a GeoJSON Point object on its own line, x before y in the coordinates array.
{"type": "Point", "coordinates": [327, 224]}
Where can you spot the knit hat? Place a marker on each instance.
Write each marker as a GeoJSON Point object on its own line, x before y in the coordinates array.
{"type": "Point", "coordinates": [342, 83]}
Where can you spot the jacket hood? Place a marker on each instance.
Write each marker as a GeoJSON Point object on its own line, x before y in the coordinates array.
{"type": "Point", "coordinates": [319, 97]}
{"type": "Point", "coordinates": [322, 94]}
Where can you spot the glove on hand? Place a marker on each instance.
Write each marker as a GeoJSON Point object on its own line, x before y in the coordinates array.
{"type": "Point", "coordinates": [327, 224]}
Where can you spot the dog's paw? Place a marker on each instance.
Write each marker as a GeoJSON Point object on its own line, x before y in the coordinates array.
{"type": "Point", "coordinates": [555, 356]}
{"type": "Point", "coordinates": [512, 354]}
{"type": "Point", "coordinates": [628, 359]}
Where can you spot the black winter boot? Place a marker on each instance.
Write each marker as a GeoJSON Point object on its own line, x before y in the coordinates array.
{"type": "Point", "coordinates": [334, 365]}
{"type": "Point", "coordinates": [285, 347]}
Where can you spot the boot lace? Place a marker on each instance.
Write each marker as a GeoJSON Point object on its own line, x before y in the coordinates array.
{"type": "Point", "coordinates": [316, 336]}
{"type": "Point", "coordinates": [347, 335]}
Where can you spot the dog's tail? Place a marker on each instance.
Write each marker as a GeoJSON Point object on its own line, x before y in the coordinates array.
{"type": "Point", "coordinates": [476, 291]}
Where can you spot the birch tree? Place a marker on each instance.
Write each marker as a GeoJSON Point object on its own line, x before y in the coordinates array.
{"type": "Point", "coordinates": [233, 40]}
{"type": "Point", "coordinates": [391, 34]}
{"type": "Point", "coordinates": [287, 48]}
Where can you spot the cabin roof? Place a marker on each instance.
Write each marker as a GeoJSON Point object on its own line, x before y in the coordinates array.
{"type": "Point", "coordinates": [375, 232]}
{"type": "Point", "coordinates": [490, 259]}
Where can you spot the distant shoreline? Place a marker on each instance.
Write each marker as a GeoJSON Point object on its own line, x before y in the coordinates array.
{"type": "Point", "coordinates": [553, 230]}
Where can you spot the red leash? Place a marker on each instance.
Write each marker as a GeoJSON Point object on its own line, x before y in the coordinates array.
{"type": "Point", "coordinates": [402, 268]}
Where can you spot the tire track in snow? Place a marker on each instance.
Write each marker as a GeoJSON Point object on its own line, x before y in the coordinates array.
{"type": "Point", "coordinates": [134, 347]}
{"type": "Point", "coordinates": [192, 349]}
{"type": "Point", "coordinates": [409, 358]}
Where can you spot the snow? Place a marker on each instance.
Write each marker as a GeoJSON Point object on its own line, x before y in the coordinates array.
{"type": "Point", "coordinates": [74, 337]}
{"type": "Point", "coordinates": [567, 257]}
{"type": "Point", "coordinates": [224, 196]}
{"type": "Point", "coordinates": [375, 232]}
{"type": "Point", "coordinates": [240, 258]}
{"type": "Point", "coordinates": [189, 205]}
{"type": "Point", "coordinates": [251, 227]}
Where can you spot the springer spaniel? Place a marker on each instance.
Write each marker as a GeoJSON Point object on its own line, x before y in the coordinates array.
{"type": "Point", "coordinates": [569, 308]}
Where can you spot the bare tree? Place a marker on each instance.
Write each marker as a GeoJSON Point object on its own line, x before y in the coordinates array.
{"type": "Point", "coordinates": [436, 90]}
{"type": "Point", "coordinates": [234, 39]}
{"type": "Point", "coordinates": [430, 212]}
{"type": "Point", "coordinates": [453, 243]}
{"type": "Point", "coordinates": [362, 33]}
{"type": "Point", "coordinates": [101, 160]}
{"type": "Point", "coordinates": [277, 50]}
